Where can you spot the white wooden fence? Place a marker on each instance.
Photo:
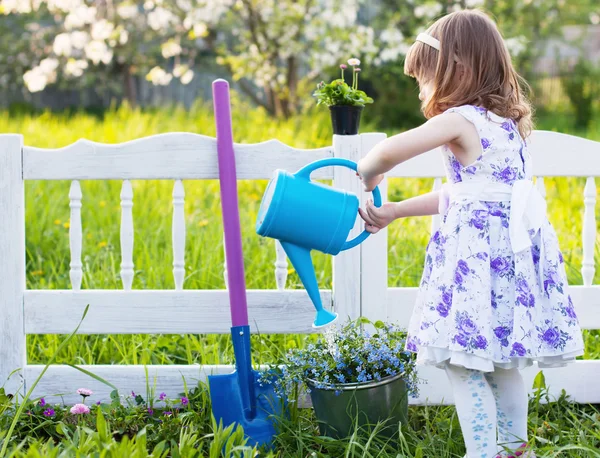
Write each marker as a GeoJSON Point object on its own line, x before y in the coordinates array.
{"type": "Point", "coordinates": [360, 275]}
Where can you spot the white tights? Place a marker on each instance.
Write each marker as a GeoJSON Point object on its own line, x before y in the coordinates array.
{"type": "Point", "coordinates": [491, 408]}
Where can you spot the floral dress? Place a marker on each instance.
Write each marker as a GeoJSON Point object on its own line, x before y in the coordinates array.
{"type": "Point", "coordinates": [494, 291]}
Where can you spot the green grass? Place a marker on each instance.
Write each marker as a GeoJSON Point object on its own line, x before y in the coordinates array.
{"type": "Point", "coordinates": [435, 430]}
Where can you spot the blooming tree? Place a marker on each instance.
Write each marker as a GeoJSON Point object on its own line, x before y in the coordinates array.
{"type": "Point", "coordinates": [273, 48]}
{"type": "Point", "coordinates": [75, 38]}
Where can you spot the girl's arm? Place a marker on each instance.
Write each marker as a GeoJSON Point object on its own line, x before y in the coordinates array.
{"type": "Point", "coordinates": [394, 150]}
{"type": "Point", "coordinates": [424, 205]}
{"type": "Point", "coordinates": [378, 218]}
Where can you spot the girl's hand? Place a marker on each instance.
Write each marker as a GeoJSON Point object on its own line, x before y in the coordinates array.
{"type": "Point", "coordinates": [376, 218]}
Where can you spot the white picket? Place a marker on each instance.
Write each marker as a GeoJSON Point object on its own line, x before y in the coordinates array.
{"type": "Point", "coordinates": [75, 235]}
{"type": "Point", "coordinates": [281, 266]}
{"type": "Point", "coordinates": [127, 235]}
{"type": "Point", "coordinates": [589, 231]}
{"type": "Point", "coordinates": [178, 235]}
{"type": "Point", "coordinates": [13, 355]}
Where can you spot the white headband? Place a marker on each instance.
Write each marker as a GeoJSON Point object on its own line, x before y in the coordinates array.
{"type": "Point", "coordinates": [429, 40]}
{"type": "Point", "coordinates": [433, 42]}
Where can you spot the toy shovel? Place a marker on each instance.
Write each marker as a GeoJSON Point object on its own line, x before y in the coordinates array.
{"type": "Point", "coordinates": [237, 397]}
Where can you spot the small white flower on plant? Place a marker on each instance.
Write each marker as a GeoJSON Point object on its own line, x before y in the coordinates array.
{"type": "Point", "coordinates": [170, 49]}
{"type": "Point", "coordinates": [97, 52]}
{"type": "Point", "coordinates": [62, 45]}
{"type": "Point", "coordinates": [159, 77]}
{"type": "Point", "coordinates": [49, 64]}
{"type": "Point", "coordinates": [160, 19]}
{"type": "Point", "coordinates": [200, 30]}
{"type": "Point", "coordinates": [127, 11]}
{"type": "Point", "coordinates": [75, 67]}
{"type": "Point", "coordinates": [79, 39]}
{"type": "Point", "coordinates": [35, 79]}
{"type": "Point", "coordinates": [354, 62]}
{"type": "Point", "coordinates": [102, 29]}
{"type": "Point", "coordinates": [123, 37]}
{"type": "Point", "coordinates": [179, 70]}
{"type": "Point", "coordinates": [187, 77]}
{"type": "Point", "coordinates": [84, 392]}
{"type": "Point", "coordinates": [79, 409]}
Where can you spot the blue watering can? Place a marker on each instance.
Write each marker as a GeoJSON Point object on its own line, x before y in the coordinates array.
{"type": "Point", "coordinates": [304, 215]}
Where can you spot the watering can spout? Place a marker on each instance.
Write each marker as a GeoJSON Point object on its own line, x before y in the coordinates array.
{"type": "Point", "coordinates": [302, 262]}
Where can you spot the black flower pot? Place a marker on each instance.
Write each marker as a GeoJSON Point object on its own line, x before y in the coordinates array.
{"type": "Point", "coordinates": [345, 119]}
{"type": "Point", "coordinates": [340, 407]}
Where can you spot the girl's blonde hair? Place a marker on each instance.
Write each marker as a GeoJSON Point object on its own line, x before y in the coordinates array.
{"type": "Point", "coordinates": [471, 43]}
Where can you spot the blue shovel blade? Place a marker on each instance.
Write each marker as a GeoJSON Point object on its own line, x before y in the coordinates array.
{"type": "Point", "coordinates": [228, 406]}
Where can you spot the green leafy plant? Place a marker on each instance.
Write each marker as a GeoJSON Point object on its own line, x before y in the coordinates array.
{"type": "Point", "coordinates": [340, 93]}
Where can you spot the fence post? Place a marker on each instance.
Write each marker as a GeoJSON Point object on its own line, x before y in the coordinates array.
{"type": "Point", "coordinates": [374, 253]}
{"type": "Point", "coordinates": [346, 265]}
{"type": "Point", "coordinates": [12, 263]}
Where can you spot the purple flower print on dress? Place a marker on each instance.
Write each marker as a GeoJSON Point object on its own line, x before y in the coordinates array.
{"type": "Point", "coordinates": [528, 300]}
{"type": "Point", "coordinates": [518, 349]}
{"type": "Point", "coordinates": [478, 218]}
{"type": "Point", "coordinates": [458, 279]}
{"type": "Point", "coordinates": [443, 310]}
{"type": "Point", "coordinates": [471, 170]}
{"type": "Point", "coordinates": [496, 211]}
{"type": "Point", "coordinates": [502, 332]}
{"type": "Point", "coordinates": [411, 344]}
{"type": "Point", "coordinates": [456, 168]}
{"type": "Point", "coordinates": [507, 126]}
{"type": "Point", "coordinates": [552, 281]}
{"type": "Point", "coordinates": [535, 253]}
{"type": "Point", "coordinates": [495, 299]}
{"type": "Point", "coordinates": [461, 340]}
{"type": "Point", "coordinates": [447, 296]}
{"type": "Point", "coordinates": [463, 267]}
{"type": "Point", "coordinates": [500, 265]}
{"type": "Point", "coordinates": [522, 285]}
{"type": "Point", "coordinates": [571, 310]}
{"type": "Point", "coordinates": [481, 342]}
{"type": "Point", "coordinates": [482, 255]}
{"type": "Point", "coordinates": [485, 143]}
{"type": "Point", "coordinates": [561, 259]}
{"type": "Point", "coordinates": [466, 324]}
{"type": "Point", "coordinates": [508, 175]}
{"type": "Point", "coordinates": [552, 337]}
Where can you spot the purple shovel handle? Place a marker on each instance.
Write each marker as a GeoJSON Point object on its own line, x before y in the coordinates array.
{"type": "Point", "coordinates": [229, 205]}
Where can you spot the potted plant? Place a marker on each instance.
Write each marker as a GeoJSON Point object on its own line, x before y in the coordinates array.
{"type": "Point", "coordinates": [345, 102]}
{"type": "Point", "coordinates": [353, 376]}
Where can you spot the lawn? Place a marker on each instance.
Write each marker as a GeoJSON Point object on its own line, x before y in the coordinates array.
{"type": "Point", "coordinates": [434, 431]}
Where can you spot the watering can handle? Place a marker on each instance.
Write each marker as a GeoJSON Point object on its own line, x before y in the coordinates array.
{"type": "Point", "coordinates": [327, 162]}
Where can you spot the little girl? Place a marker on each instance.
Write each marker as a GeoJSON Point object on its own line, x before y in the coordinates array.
{"type": "Point", "coordinates": [493, 297]}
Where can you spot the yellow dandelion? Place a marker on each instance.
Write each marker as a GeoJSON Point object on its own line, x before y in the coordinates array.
{"type": "Point", "coordinates": [254, 196]}
{"type": "Point", "coordinates": [291, 271]}
{"type": "Point", "coordinates": [67, 225]}
{"type": "Point", "coordinates": [102, 244]}
{"type": "Point", "coordinates": [102, 204]}
{"type": "Point", "coordinates": [37, 273]}
{"type": "Point", "coordinates": [203, 223]}
{"type": "Point", "coordinates": [57, 222]}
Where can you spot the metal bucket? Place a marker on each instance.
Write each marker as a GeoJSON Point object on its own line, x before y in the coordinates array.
{"type": "Point", "coordinates": [362, 404]}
